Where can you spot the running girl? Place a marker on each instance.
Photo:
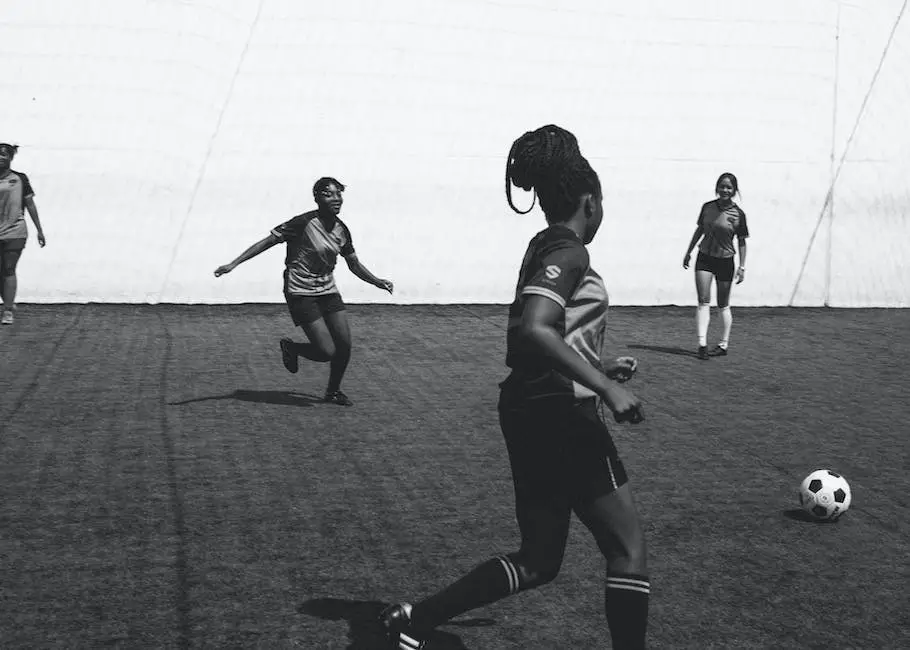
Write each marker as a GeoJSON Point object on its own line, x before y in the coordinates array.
{"type": "Point", "coordinates": [314, 241]}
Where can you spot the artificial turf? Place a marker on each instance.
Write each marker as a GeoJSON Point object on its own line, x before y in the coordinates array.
{"type": "Point", "coordinates": [165, 483]}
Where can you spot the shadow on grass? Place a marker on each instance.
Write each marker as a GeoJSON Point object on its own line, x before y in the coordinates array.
{"type": "Point", "coordinates": [798, 514]}
{"type": "Point", "coordinates": [281, 397]}
{"type": "Point", "coordinates": [364, 629]}
{"type": "Point", "coordinates": [665, 350]}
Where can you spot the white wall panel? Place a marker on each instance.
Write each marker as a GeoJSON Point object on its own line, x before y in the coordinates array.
{"type": "Point", "coordinates": [164, 137]}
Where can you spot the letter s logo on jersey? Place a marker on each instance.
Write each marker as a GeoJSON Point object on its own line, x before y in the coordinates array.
{"type": "Point", "coordinates": [552, 272]}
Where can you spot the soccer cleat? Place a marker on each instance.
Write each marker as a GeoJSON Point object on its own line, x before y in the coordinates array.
{"type": "Point", "coordinates": [396, 620]}
{"type": "Point", "coordinates": [702, 352]}
{"type": "Point", "coordinates": [337, 397]}
{"type": "Point", "coordinates": [288, 355]}
{"type": "Point", "coordinates": [7, 318]}
{"type": "Point", "coordinates": [718, 351]}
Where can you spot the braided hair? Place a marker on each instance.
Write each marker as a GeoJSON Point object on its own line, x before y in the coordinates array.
{"type": "Point", "coordinates": [549, 162]}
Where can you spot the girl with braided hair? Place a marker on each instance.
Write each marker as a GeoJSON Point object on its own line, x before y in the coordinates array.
{"type": "Point", "coordinates": [562, 456]}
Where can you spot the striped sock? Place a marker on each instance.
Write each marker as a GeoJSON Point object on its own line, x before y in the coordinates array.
{"type": "Point", "coordinates": [627, 610]}
{"type": "Point", "coordinates": [511, 572]}
{"type": "Point", "coordinates": [491, 581]}
{"type": "Point", "coordinates": [407, 642]}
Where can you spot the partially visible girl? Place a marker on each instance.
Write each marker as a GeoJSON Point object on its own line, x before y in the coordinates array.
{"type": "Point", "coordinates": [16, 197]}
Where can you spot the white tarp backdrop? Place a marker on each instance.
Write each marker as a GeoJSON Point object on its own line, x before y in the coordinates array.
{"type": "Point", "coordinates": [165, 136]}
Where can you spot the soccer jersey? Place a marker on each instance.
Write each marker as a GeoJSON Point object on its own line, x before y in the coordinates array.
{"type": "Point", "coordinates": [556, 266]}
{"type": "Point", "coordinates": [14, 190]}
{"type": "Point", "coordinates": [720, 225]}
{"type": "Point", "coordinates": [312, 250]}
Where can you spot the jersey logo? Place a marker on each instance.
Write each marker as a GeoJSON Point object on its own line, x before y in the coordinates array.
{"type": "Point", "coordinates": [552, 272]}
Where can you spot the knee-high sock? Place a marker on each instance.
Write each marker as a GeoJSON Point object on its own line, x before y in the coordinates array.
{"type": "Point", "coordinates": [311, 352]}
{"type": "Point", "coordinates": [338, 365]}
{"type": "Point", "coordinates": [702, 318]}
{"type": "Point", "coordinates": [627, 597]}
{"type": "Point", "coordinates": [726, 315]}
{"type": "Point", "coordinates": [9, 284]}
{"type": "Point", "coordinates": [491, 581]}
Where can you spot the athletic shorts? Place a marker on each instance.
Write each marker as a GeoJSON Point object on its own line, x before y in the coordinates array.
{"type": "Point", "coordinates": [721, 267]}
{"type": "Point", "coordinates": [560, 450]}
{"type": "Point", "coordinates": [306, 309]}
{"type": "Point", "coordinates": [10, 252]}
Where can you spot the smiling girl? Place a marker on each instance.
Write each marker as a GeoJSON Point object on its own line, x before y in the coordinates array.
{"type": "Point", "coordinates": [719, 222]}
{"type": "Point", "coordinates": [314, 241]}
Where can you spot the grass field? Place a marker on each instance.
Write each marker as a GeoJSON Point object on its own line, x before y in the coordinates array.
{"type": "Point", "coordinates": [165, 483]}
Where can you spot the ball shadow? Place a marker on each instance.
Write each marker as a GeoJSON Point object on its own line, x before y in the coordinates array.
{"type": "Point", "coordinates": [798, 514]}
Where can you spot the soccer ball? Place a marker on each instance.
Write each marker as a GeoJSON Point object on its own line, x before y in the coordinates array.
{"type": "Point", "coordinates": [825, 495]}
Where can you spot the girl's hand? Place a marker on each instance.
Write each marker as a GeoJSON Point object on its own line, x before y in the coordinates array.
{"type": "Point", "coordinates": [224, 268]}
{"type": "Point", "coordinates": [625, 406]}
{"type": "Point", "coordinates": [740, 275]}
{"type": "Point", "coordinates": [686, 260]}
{"type": "Point", "coordinates": [41, 240]}
{"type": "Point", "coordinates": [622, 369]}
{"type": "Point", "coordinates": [386, 285]}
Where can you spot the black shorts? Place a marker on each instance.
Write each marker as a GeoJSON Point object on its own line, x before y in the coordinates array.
{"type": "Point", "coordinates": [10, 252]}
{"type": "Point", "coordinates": [721, 267]}
{"type": "Point", "coordinates": [306, 309]}
{"type": "Point", "coordinates": [560, 450]}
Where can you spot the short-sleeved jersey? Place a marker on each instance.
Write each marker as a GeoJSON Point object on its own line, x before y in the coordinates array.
{"type": "Point", "coordinates": [556, 266]}
{"type": "Point", "coordinates": [15, 188]}
{"type": "Point", "coordinates": [312, 251]}
{"type": "Point", "coordinates": [720, 226]}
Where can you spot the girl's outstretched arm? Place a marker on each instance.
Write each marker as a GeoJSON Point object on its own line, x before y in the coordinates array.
{"type": "Point", "coordinates": [259, 247]}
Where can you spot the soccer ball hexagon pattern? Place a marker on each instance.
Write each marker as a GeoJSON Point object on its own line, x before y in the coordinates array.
{"type": "Point", "coordinates": [825, 495]}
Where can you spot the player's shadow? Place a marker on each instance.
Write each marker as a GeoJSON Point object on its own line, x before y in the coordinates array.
{"type": "Point", "coordinates": [798, 514]}
{"type": "Point", "coordinates": [281, 397]}
{"type": "Point", "coordinates": [364, 630]}
{"type": "Point", "coordinates": [682, 352]}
